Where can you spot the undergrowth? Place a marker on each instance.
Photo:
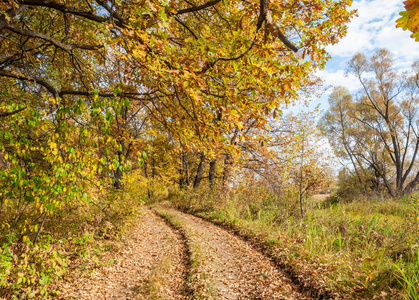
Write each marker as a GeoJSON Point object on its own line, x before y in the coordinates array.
{"type": "Point", "coordinates": [73, 239]}
{"type": "Point", "coordinates": [363, 249]}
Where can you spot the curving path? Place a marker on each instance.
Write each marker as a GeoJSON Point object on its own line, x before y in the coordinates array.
{"type": "Point", "coordinates": [224, 266]}
{"type": "Point", "coordinates": [183, 257]}
{"type": "Point", "coordinates": [150, 265]}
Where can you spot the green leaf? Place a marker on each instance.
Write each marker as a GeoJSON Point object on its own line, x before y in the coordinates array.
{"type": "Point", "coordinates": [143, 155]}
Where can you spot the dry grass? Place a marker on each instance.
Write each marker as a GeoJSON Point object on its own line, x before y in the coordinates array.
{"type": "Point", "coordinates": [363, 249]}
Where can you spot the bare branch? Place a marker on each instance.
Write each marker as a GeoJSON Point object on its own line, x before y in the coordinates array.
{"type": "Point", "coordinates": [197, 8]}
{"type": "Point", "coordinates": [184, 25]}
{"type": "Point", "coordinates": [120, 21]}
{"type": "Point", "coordinates": [56, 93]}
{"type": "Point", "coordinates": [49, 87]}
{"type": "Point", "coordinates": [66, 9]}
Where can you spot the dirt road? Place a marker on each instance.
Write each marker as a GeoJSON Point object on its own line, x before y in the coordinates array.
{"type": "Point", "coordinates": [173, 255]}
{"type": "Point", "coordinates": [150, 265]}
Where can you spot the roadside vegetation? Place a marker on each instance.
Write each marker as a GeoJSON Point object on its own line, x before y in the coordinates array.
{"type": "Point", "coordinates": [72, 244]}
{"type": "Point", "coordinates": [362, 249]}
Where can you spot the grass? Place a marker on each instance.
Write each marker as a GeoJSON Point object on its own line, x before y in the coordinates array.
{"type": "Point", "coordinates": [409, 277]}
{"type": "Point", "coordinates": [358, 250]}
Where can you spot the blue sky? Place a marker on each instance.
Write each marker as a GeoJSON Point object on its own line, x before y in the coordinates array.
{"type": "Point", "coordinates": [374, 28]}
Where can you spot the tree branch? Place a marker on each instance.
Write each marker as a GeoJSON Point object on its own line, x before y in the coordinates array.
{"type": "Point", "coordinates": [262, 13]}
{"type": "Point", "coordinates": [265, 15]}
{"type": "Point", "coordinates": [6, 114]}
{"type": "Point", "coordinates": [209, 65]}
{"type": "Point", "coordinates": [119, 20]}
{"type": "Point", "coordinates": [184, 25]}
{"type": "Point", "coordinates": [49, 87]}
{"type": "Point", "coordinates": [67, 9]}
{"type": "Point", "coordinates": [56, 93]}
{"type": "Point", "coordinates": [55, 42]}
{"type": "Point", "coordinates": [11, 14]}
{"type": "Point", "coordinates": [197, 8]}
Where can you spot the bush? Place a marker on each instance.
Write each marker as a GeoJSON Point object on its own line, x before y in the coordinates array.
{"type": "Point", "coordinates": [144, 190]}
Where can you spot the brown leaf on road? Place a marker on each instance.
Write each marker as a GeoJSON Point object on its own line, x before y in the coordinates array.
{"type": "Point", "coordinates": [150, 265]}
{"type": "Point", "coordinates": [226, 267]}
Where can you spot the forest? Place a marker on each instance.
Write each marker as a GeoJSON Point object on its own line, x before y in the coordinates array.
{"type": "Point", "coordinates": [150, 148]}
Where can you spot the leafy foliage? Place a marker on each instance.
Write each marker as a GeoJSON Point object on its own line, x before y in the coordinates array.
{"type": "Point", "coordinates": [92, 89]}
{"type": "Point", "coordinates": [410, 18]}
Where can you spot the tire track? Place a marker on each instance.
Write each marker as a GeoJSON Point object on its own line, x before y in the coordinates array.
{"type": "Point", "coordinates": [306, 284]}
{"type": "Point", "coordinates": [152, 264]}
{"type": "Point", "coordinates": [223, 266]}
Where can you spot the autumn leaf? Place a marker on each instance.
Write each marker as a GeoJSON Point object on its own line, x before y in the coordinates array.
{"type": "Point", "coordinates": [410, 18]}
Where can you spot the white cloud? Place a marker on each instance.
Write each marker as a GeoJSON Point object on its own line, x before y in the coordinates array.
{"type": "Point", "coordinates": [339, 78]}
{"type": "Point", "coordinates": [374, 28]}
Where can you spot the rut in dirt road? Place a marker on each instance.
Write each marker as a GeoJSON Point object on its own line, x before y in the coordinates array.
{"type": "Point", "coordinates": [151, 264]}
{"type": "Point", "coordinates": [226, 267]}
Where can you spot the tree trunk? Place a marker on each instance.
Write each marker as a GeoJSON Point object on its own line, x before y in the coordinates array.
{"type": "Point", "coordinates": [117, 177]}
{"type": "Point", "coordinates": [211, 175]}
{"type": "Point", "coordinates": [410, 187]}
{"type": "Point", "coordinates": [181, 171]}
{"type": "Point", "coordinates": [117, 174]}
{"type": "Point", "coordinates": [153, 168]}
{"type": "Point", "coordinates": [199, 171]}
{"type": "Point", "coordinates": [187, 179]}
{"type": "Point", "coordinates": [149, 192]}
{"type": "Point", "coordinates": [226, 171]}
{"type": "Point", "coordinates": [184, 174]}
{"type": "Point", "coordinates": [301, 180]}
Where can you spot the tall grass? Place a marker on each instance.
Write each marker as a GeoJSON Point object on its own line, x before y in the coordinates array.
{"type": "Point", "coordinates": [409, 276]}
{"type": "Point", "coordinates": [364, 248]}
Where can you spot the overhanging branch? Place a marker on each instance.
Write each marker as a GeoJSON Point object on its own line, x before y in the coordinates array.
{"type": "Point", "coordinates": [197, 8]}
{"type": "Point", "coordinates": [60, 93]}
{"type": "Point", "coordinates": [66, 9]}
{"type": "Point", "coordinates": [30, 33]}
{"type": "Point", "coordinates": [49, 87]}
{"type": "Point", "coordinates": [6, 114]}
{"type": "Point", "coordinates": [265, 16]}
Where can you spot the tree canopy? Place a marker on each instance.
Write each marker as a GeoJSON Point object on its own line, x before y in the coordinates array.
{"type": "Point", "coordinates": [88, 87]}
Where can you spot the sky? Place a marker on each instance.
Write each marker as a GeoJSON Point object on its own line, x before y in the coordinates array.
{"type": "Point", "coordinates": [373, 29]}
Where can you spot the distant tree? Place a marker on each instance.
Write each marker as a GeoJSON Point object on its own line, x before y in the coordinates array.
{"type": "Point", "coordinates": [290, 158]}
{"type": "Point", "coordinates": [378, 133]}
